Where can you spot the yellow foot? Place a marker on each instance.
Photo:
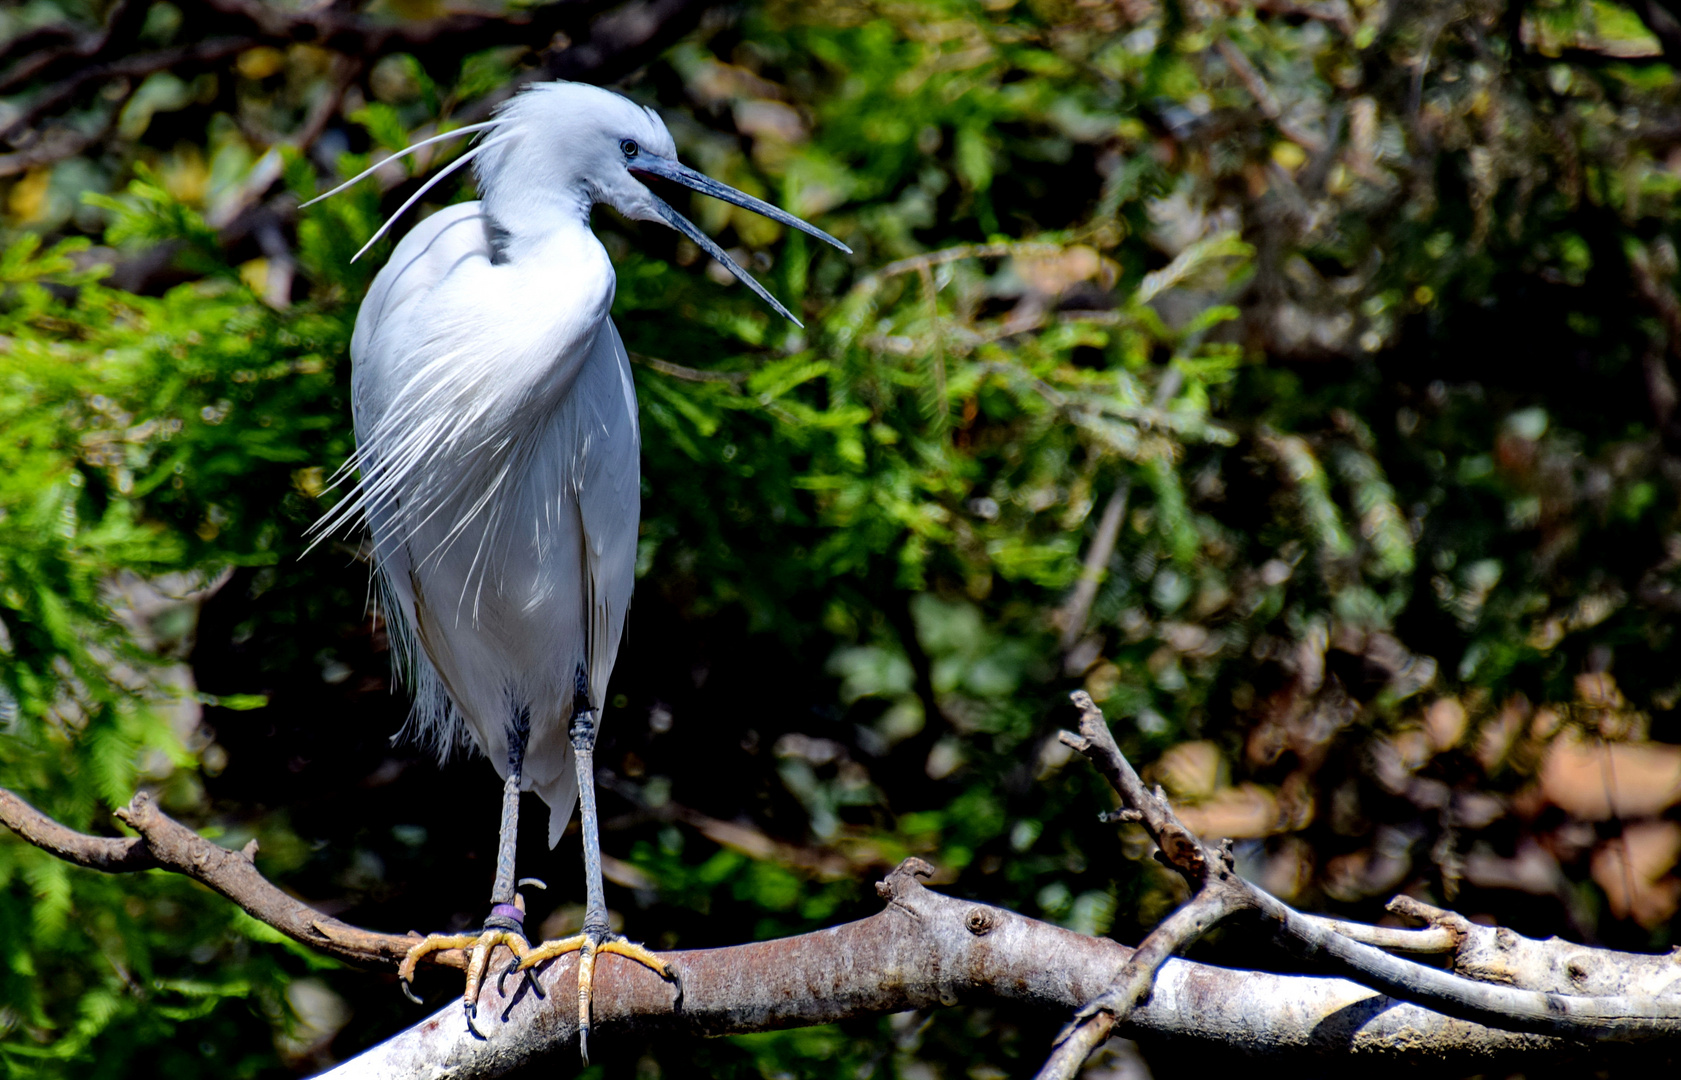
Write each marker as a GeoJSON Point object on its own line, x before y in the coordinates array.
{"type": "Point", "coordinates": [479, 947]}
{"type": "Point", "coordinates": [588, 946]}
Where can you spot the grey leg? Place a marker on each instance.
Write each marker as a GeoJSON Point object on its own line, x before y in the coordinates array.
{"type": "Point", "coordinates": [597, 938]}
{"type": "Point", "coordinates": [502, 892]}
{"type": "Point", "coordinates": [507, 917]}
{"type": "Point", "coordinates": [506, 924]}
{"type": "Point", "coordinates": [596, 928]}
{"type": "Point", "coordinates": [583, 733]}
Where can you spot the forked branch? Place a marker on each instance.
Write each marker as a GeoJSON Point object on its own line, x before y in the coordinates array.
{"type": "Point", "coordinates": [1534, 1002]}
{"type": "Point", "coordinates": [924, 950]}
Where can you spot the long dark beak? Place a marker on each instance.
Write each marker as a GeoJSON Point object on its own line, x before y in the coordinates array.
{"type": "Point", "coordinates": [677, 172]}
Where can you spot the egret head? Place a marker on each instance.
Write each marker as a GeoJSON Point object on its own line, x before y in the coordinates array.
{"type": "Point", "coordinates": [556, 149]}
{"type": "Point", "coordinates": [560, 147]}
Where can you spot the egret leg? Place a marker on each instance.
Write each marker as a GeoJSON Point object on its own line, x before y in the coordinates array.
{"type": "Point", "coordinates": [597, 938]}
{"type": "Point", "coordinates": [505, 926]}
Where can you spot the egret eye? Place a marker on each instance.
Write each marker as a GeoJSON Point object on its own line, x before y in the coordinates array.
{"type": "Point", "coordinates": [628, 147]}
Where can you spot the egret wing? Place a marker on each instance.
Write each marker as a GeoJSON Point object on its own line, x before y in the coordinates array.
{"type": "Point", "coordinates": [599, 420]}
{"type": "Point", "coordinates": [430, 252]}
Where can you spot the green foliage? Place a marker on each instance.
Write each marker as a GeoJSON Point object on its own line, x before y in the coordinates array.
{"type": "Point", "coordinates": [149, 438]}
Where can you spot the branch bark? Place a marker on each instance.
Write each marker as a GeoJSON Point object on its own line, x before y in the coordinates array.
{"type": "Point", "coordinates": [166, 844]}
{"type": "Point", "coordinates": [922, 951]}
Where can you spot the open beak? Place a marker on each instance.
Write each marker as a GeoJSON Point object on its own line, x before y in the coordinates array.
{"type": "Point", "coordinates": [677, 172]}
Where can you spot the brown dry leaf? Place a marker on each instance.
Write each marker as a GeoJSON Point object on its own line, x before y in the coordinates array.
{"type": "Point", "coordinates": [1494, 742]}
{"type": "Point", "coordinates": [1245, 812]}
{"type": "Point", "coordinates": [824, 864]}
{"type": "Point", "coordinates": [1413, 748]}
{"type": "Point", "coordinates": [1639, 862]}
{"type": "Point", "coordinates": [1598, 690]}
{"type": "Point", "coordinates": [1531, 869]}
{"type": "Point", "coordinates": [770, 119]}
{"type": "Point", "coordinates": [622, 873]}
{"type": "Point", "coordinates": [713, 82]}
{"type": "Point", "coordinates": [1288, 870]}
{"type": "Point", "coordinates": [1190, 770]}
{"type": "Point", "coordinates": [27, 200]}
{"type": "Point", "coordinates": [1444, 723]}
{"type": "Point", "coordinates": [1102, 681]}
{"type": "Point", "coordinates": [1595, 781]}
{"type": "Point", "coordinates": [1049, 275]}
{"type": "Point", "coordinates": [1187, 638]}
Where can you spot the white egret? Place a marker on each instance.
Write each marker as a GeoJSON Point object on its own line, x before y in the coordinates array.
{"type": "Point", "coordinates": [498, 451]}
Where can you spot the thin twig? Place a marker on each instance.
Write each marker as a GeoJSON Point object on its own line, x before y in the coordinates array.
{"type": "Point", "coordinates": [1264, 97]}
{"type": "Point", "coordinates": [180, 59]}
{"type": "Point", "coordinates": [1606, 1018]}
{"type": "Point", "coordinates": [1335, 12]}
{"type": "Point", "coordinates": [60, 143]}
{"type": "Point", "coordinates": [1183, 849]}
{"type": "Point", "coordinates": [1077, 610]}
{"type": "Point", "coordinates": [1219, 892]}
{"type": "Point", "coordinates": [1094, 1023]}
{"type": "Point", "coordinates": [166, 844]}
{"type": "Point", "coordinates": [1434, 939]}
{"type": "Point", "coordinates": [688, 374]}
{"type": "Point", "coordinates": [965, 251]}
{"type": "Point", "coordinates": [125, 19]}
{"type": "Point", "coordinates": [228, 27]}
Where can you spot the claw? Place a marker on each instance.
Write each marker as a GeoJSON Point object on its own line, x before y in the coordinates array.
{"type": "Point", "coordinates": [524, 973]}
{"type": "Point", "coordinates": [471, 1008]}
{"type": "Point", "coordinates": [588, 946]}
{"type": "Point", "coordinates": [502, 978]}
{"type": "Point", "coordinates": [479, 948]}
{"type": "Point", "coordinates": [408, 992]}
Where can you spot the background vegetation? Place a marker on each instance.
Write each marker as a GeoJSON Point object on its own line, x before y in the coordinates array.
{"type": "Point", "coordinates": [1296, 377]}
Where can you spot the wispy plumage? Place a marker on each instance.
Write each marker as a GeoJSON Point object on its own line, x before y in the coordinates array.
{"type": "Point", "coordinates": [497, 458]}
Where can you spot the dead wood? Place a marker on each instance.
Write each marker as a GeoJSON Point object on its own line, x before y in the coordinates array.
{"type": "Point", "coordinates": [923, 951]}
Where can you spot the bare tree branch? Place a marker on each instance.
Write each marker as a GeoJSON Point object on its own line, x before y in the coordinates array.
{"type": "Point", "coordinates": [94, 852]}
{"type": "Point", "coordinates": [625, 38]}
{"type": "Point", "coordinates": [60, 142]}
{"type": "Point", "coordinates": [1264, 97]}
{"type": "Point", "coordinates": [166, 844]}
{"type": "Point", "coordinates": [1632, 1013]}
{"type": "Point", "coordinates": [606, 43]}
{"type": "Point", "coordinates": [39, 61]}
{"type": "Point", "coordinates": [179, 59]}
{"type": "Point", "coordinates": [922, 951]}
{"type": "Point", "coordinates": [688, 374]}
{"type": "Point", "coordinates": [1131, 987]}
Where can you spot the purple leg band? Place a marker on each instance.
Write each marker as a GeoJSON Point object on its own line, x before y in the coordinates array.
{"type": "Point", "coordinates": [509, 911]}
